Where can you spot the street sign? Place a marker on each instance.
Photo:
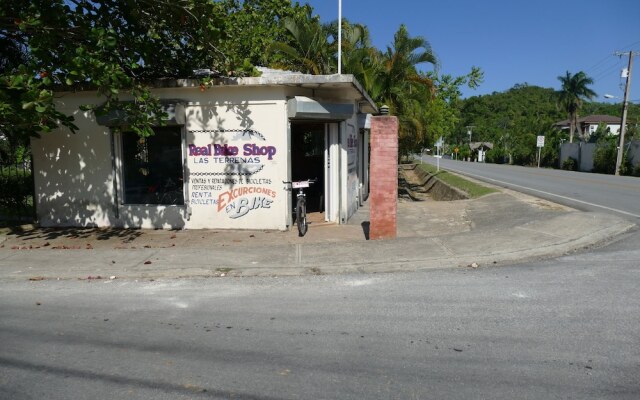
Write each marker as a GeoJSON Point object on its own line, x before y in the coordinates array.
{"type": "Point", "coordinates": [540, 141]}
{"type": "Point", "coordinates": [455, 150]}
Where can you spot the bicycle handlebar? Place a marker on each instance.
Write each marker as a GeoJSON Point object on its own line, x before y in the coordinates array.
{"type": "Point", "coordinates": [310, 180]}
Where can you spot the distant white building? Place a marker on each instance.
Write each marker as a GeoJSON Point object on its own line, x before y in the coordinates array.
{"type": "Point", "coordinates": [589, 124]}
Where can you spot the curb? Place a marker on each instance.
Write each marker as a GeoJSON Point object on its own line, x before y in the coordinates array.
{"type": "Point", "coordinates": [291, 261]}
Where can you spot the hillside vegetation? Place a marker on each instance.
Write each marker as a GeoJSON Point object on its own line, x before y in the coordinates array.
{"type": "Point", "coordinates": [511, 120]}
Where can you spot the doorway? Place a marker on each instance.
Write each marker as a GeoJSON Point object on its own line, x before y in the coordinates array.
{"type": "Point", "coordinates": [307, 162]}
{"type": "Point", "coordinates": [315, 154]}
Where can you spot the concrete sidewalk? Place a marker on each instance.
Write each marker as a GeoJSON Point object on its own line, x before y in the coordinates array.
{"type": "Point", "coordinates": [499, 228]}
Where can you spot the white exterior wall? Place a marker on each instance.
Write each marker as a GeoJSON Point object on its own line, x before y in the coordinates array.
{"type": "Point", "coordinates": [613, 128]}
{"type": "Point", "coordinates": [240, 187]}
{"type": "Point", "coordinates": [72, 172]}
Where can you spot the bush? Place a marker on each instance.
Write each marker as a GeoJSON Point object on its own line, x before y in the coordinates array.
{"type": "Point", "coordinates": [16, 196]}
{"type": "Point", "coordinates": [570, 164]}
{"type": "Point", "coordinates": [604, 157]}
{"type": "Point", "coordinates": [497, 156]}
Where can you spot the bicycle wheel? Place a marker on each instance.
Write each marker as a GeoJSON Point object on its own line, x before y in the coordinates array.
{"type": "Point", "coordinates": [301, 216]}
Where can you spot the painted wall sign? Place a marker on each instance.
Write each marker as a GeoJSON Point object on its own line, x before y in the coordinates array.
{"type": "Point", "coordinates": [249, 149]}
{"type": "Point", "coordinates": [238, 202]}
{"type": "Point", "coordinates": [226, 198]}
{"type": "Point", "coordinates": [231, 172]}
{"type": "Point", "coordinates": [240, 159]}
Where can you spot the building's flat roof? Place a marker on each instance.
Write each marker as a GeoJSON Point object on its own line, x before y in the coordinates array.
{"type": "Point", "coordinates": [345, 82]}
{"type": "Point", "coordinates": [592, 119]}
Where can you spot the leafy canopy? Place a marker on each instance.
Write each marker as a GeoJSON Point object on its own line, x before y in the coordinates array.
{"type": "Point", "coordinates": [120, 47]}
{"type": "Point", "coordinates": [114, 46]}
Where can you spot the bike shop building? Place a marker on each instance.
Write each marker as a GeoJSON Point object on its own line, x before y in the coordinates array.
{"type": "Point", "coordinates": [219, 162]}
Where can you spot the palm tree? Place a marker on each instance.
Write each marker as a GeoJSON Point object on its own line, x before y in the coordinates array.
{"type": "Point", "coordinates": [405, 89]}
{"type": "Point", "coordinates": [571, 96]}
{"type": "Point", "coordinates": [309, 49]}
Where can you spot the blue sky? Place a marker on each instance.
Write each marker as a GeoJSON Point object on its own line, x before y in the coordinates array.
{"type": "Point", "coordinates": [514, 41]}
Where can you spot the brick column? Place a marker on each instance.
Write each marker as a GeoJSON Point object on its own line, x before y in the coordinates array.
{"type": "Point", "coordinates": [383, 168]}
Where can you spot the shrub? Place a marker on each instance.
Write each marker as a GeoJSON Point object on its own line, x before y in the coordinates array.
{"type": "Point", "coordinates": [570, 164]}
{"type": "Point", "coordinates": [16, 196]}
{"type": "Point", "coordinates": [604, 157]}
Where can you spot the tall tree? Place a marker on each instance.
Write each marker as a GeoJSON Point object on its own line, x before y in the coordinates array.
{"type": "Point", "coordinates": [116, 47]}
{"type": "Point", "coordinates": [252, 25]}
{"type": "Point", "coordinates": [574, 90]}
{"type": "Point", "coordinates": [403, 87]}
{"type": "Point", "coordinates": [308, 48]}
{"type": "Point", "coordinates": [400, 61]}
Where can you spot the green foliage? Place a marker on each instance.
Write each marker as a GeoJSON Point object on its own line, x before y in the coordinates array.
{"type": "Point", "coordinates": [550, 154]}
{"type": "Point", "coordinates": [16, 196]}
{"type": "Point", "coordinates": [121, 47]}
{"type": "Point", "coordinates": [570, 164]}
{"type": "Point", "coordinates": [117, 47]}
{"type": "Point", "coordinates": [497, 155]}
{"type": "Point", "coordinates": [473, 190]}
{"type": "Point", "coordinates": [427, 105]}
{"type": "Point", "coordinates": [250, 26]}
{"type": "Point", "coordinates": [511, 120]}
{"type": "Point", "coordinates": [307, 49]}
{"type": "Point", "coordinates": [606, 155]}
{"type": "Point", "coordinates": [572, 95]}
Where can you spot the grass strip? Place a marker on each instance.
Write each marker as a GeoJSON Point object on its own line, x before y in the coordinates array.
{"type": "Point", "coordinates": [473, 189]}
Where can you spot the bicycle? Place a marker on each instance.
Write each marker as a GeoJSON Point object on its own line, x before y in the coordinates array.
{"type": "Point", "coordinates": [169, 194]}
{"type": "Point", "coordinates": [301, 204]}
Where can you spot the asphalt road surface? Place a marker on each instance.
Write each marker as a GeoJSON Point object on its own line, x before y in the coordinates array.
{"type": "Point", "coordinates": [564, 328]}
{"type": "Point", "coordinates": [586, 191]}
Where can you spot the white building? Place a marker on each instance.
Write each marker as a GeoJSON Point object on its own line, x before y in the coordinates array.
{"type": "Point", "coordinates": [220, 161]}
{"type": "Point", "coordinates": [589, 124]}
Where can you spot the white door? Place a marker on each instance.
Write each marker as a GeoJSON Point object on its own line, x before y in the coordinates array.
{"type": "Point", "coordinates": [332, 173]}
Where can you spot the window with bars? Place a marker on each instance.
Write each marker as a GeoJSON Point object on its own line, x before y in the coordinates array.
{"type": "Point", "coordinates": [153, 168]}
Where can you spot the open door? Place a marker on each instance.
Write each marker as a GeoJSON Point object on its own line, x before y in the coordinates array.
{"type": "Point", "coordinates": [332, 172]}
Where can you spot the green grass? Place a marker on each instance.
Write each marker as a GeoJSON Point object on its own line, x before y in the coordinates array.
{"type": "Point", "coordinates": [473, 189]}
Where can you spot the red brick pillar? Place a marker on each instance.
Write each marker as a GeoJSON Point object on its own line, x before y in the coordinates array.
{"type": "Point", "coordinates": [383, 178]}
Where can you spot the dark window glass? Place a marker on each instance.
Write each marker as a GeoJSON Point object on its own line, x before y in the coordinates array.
{"type": "Point", "coordinates": [153, 167]}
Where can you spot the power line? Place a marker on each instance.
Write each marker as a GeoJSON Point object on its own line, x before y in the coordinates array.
{"type": "Point", "coordinates": [611, 69]}
{"type": "Point", "coordinates": [631, 45]}
{"type": "Point", "coordinates": [596, 65]}
{"type": "Point", "coordinates": [624, 53]}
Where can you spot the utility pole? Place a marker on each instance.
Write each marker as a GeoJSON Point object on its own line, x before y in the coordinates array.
{"type": "Point", "coordinates": [469, 132]}
{"type": "Point", "coordinates": [625, 105]}
{"type": "Point", "coordinates": [339, 37]}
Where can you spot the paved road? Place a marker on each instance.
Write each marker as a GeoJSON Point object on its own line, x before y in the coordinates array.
{"type": "Point", "coordinates": [563, 328]}
{"type": "Point", "coordinates": [566, 328]}
{"type": "Point", "coordinates": [596, 192]}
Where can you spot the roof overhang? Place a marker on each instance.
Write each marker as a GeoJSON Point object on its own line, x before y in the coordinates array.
{"type": "Point", "coordinates": [301, 107]}
{"type": "Point", "coordinates": [345, 83]}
